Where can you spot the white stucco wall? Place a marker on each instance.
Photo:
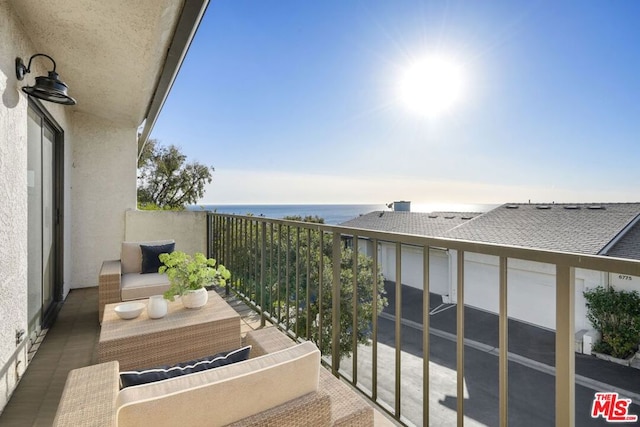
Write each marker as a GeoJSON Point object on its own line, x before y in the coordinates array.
{"type": "Point", "coordinates": [13, 194]}
{"type": "Point", "coordinates": [188, 229]}
{"type": "Point", "coordinates": [103, 176]}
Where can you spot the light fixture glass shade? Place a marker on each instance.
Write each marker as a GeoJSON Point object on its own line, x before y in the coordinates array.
{"type": "Point", "coordinates": [50, 89]}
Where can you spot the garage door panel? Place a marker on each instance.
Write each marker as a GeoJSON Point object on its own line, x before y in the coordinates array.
{"type": "Point", "coordinates": [412, 268]}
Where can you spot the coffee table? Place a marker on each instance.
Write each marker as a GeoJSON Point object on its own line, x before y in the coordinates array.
{"type": "Point", "coordinates": [182, 335]}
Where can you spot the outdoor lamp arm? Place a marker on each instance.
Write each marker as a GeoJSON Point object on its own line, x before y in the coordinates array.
{"type": "Point", "coordinates": [21, 70]}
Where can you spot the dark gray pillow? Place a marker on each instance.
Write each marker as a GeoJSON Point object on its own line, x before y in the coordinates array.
{"type": "Point", "coordinates": [150, 261]}
{"type": "Point", "coordinates": [131, 378]}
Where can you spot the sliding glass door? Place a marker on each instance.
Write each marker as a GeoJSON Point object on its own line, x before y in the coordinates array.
{"type": "Point", "coordinates": [43, 187]}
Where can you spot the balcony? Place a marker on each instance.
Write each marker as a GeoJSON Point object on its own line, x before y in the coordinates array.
{"type": "Point", "coordinates": [480, 369]}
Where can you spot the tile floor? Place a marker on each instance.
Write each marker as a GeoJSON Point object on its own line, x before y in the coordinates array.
{"type": "Point", "coordinates": [69, 344]}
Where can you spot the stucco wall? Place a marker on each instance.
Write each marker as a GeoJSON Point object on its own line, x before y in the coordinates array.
{"type": "Point", "coordinates": [103, 176]}
{"type": "Point", "coordinates": [188, 229]}
{"type": "Point", "coordinates": [13, 194]}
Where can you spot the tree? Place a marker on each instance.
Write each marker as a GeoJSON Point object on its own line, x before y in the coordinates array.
{"type": "Point", "coordinates": [166, 180]}
{"type": "Point", "coordinates": [294, 260]}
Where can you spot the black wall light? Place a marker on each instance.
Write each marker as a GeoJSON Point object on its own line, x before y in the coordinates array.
{"type": "Point", "coordinates": [49, 88]}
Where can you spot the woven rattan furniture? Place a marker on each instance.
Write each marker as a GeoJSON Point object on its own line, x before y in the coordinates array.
{"type": "Point", "coordinates": [183, 334]}
{"type": "Point", "coordinates": [90, 396]}
{"type": "Point", "coordinates": [121, 280]}
{"type": "Point", "coordinates": [347, 407]}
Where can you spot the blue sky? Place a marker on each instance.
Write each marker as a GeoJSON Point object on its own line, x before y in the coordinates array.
{"type": "Point", "coordinates": [297, 102]}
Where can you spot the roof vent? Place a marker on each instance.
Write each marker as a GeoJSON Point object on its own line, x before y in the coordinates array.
{"type": "Point", "coordinates": [543, 207]}
{"type": "Point", "coordinates": [595, 207]}
{"type": "Point", "coordinates": [450, 217]}
{"type": "Point", "coordinates": [511, 206]}
{"type": "Point", "coordinates": [433, 216]}
{"type": "Point", "coordinates": [572, 207]}
{"type": "Point", "coordinates": [466, 217]}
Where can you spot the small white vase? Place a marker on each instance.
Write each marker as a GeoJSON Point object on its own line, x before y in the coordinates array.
{"type": "Point", "coordinates": [157, 307]}
{"type": "Point", "coordinates": [195, 299]}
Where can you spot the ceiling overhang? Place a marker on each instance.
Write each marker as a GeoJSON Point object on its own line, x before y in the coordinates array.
{"type": "Point", "coordinates": [118, 57]}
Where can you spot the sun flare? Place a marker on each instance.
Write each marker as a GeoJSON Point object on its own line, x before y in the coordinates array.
{"type": "Point", "coordinates": [431, 86]}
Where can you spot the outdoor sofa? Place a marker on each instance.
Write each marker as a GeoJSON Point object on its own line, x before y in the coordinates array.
{"type": "Point", "coordinates": [282, 384]}
{"type": "Point", "coordinates": [127, 279]}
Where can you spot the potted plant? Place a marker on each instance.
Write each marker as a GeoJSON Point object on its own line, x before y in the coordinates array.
{"type": "Point", "coordinates": [189, 275]}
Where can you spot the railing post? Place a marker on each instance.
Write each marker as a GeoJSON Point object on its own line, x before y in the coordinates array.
{"type": "Point", "coordinates": [227, 257]}
{"type": "Point", "coordinates": [335, 320]}
{"type": "Point", "coordinates": [425, 335]}
{"type": "Point", "coordinates": [374, 325]}
{"type": "Point", "coordinates": [565, 343]}
{"type": "Point", "coordinates": [209, 235]}
{"type": "Point", "coordinates": [398, 329]}
{"type": "Point", "coordinates": [354, 310]}
{"type": "Point", "coordinates": [321, 290]}
{"type": "Point", "coordinates": [263, 260]}
{"type": "Point", "coordinates": [308, 293]}
{"type": "Point", "coordinates": [503, 377]}
{"type": "Point", "coordinates": [460, 340]}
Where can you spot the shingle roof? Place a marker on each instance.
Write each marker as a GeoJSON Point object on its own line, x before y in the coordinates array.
{"type": "Point", "coordinates": [580, 228]}
{"type": "Point", "coordinates": [629, 245]}
{"type": "Point", "coordinates": [434, 224]}
{"type": "Point", "coordinates": [585, 228]}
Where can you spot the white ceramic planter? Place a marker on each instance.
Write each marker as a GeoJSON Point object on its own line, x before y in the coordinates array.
{"type": "Point", "coordinates": [157, 307]}
{"type": "Point", "coordinates": [195, 299]}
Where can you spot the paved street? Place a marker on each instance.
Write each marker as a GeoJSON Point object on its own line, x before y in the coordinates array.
{"type": "Point", "coordinates": [531, 380]}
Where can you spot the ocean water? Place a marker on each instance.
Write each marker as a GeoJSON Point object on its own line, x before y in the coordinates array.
{"type": "Point", "coordinates": [332, 214]}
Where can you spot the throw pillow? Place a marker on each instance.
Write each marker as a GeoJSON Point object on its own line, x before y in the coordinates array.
{"type": "Point", "coordinates": [131, 378]}
{"type": "Point", "coordinates": [150, 261]}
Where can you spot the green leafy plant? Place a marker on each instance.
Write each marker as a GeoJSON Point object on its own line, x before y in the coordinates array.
{"type": "Point", "coordinates": [616, 315]}
{"type": "Point", "coordinates": [190, 273]}
{"type": "Point", "coordinates": [285, 275]}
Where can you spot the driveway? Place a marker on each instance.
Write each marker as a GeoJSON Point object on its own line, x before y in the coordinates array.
{"type": "Point", "coordinates": [531, 379]}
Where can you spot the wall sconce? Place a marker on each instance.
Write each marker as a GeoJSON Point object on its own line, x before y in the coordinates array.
{"type": "Point", "coordinates": [48, 88]}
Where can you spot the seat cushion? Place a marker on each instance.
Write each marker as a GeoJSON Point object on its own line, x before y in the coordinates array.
{"type": "Point", "coordinates": [131, 254]}
{"type": "Point", "coordinates": [221, 396]}
{"type": "Point", "coordinates": [137, 286]}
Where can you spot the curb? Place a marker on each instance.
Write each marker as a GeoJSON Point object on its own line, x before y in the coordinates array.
{"type": "Point", "coordinates": [521, 360]}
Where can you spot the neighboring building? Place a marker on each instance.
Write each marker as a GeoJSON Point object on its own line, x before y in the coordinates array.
{"type": "Point", "coordinates": [595, 229]}
{"type": "Point", "coordinates": [68, 173]}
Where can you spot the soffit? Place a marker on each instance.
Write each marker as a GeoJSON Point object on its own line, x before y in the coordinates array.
{"type": "Point", "coordinates": [109, 53]}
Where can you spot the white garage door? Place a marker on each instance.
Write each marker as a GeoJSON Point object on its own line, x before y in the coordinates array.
{"type": "Point", "coordinates": [412, 267]}
{"type": "Point", "coordinates": [531, 290]}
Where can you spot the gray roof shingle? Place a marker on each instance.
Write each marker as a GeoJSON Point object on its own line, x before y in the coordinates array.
{"type": "Point", "coordinates": [629, 245]}
{"type": "Point", "coordinates": [580, 228]}
{"type": "Point", "coordinates": [585, 228]}
{"type": "Point", "coordinates": [434, 224]}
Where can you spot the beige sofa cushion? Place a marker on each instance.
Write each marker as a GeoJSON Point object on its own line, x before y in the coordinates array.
{"type": "Point", "coordinates": [138, 286]}
{"type": "Point", "coordinates": [223, 395]}
{"type": "Point", "coordinates": [131, 255]}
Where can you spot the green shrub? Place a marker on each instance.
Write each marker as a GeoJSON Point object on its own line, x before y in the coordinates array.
{"type": "Point", "coordinates": [616, 315]}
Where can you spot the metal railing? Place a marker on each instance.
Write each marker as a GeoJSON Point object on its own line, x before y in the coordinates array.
{"type": "Point", "coordinates": [284, 270]}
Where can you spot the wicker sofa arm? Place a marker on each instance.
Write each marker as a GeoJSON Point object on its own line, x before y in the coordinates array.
{"type": "Point", "coordinates": [89, 397]}
{"type": "Point", "coordinates": [266, 340]}
{"type": "Point", "coordinates": [313, 409]}
{"type": "Point", "coordinates": [347, 407]}
{"type": "Point", "coordinates": [108, 285]}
